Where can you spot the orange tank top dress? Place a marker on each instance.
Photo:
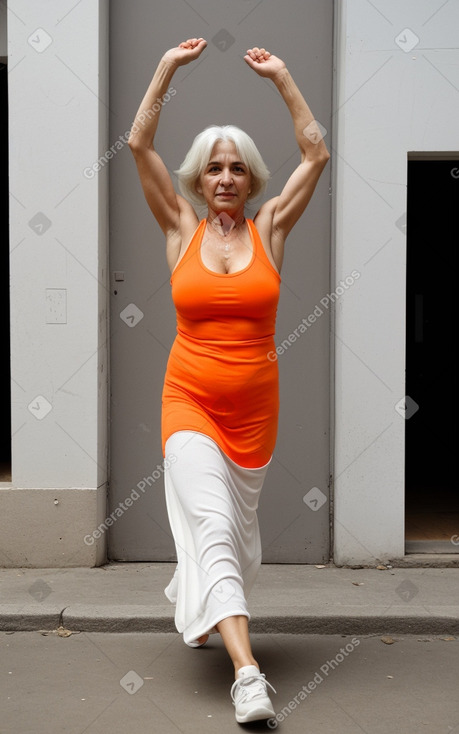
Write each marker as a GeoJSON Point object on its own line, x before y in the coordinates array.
{"type": "Point", "coordinates": [219, 378]}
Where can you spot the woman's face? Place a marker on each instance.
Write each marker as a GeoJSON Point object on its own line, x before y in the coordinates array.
{"type": "Point", "coordinates": [225, 182]}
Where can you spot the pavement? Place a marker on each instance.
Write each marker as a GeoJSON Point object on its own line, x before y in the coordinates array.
{"type": "Point", "coordinates": [292, 599]}
{"type": "Point", "coordinates": [151, 683]}
{"type": "Point", "coordinates": [349, 651]}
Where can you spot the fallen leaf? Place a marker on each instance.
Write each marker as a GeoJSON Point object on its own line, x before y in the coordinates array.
{"type": "Point", "coordinates": [357, 583]}
{"type": "Point", "coordinates": [62, 632]}
{"type": "Point", "coordinates": [448, 639]}
{"type": "Point", "coordinates": [381, 568]}
{"type": "Point", "coordinates": [388, 640]}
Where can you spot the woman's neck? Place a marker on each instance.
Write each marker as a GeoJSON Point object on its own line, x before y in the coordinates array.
{"type": "Point", "coordinates": [224, 222]}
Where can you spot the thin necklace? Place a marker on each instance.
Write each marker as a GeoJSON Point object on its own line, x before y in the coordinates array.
{"type": "Point", "coordinates": [223, 224]}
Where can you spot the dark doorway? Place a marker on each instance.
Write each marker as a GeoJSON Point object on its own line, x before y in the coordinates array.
{"type": "Point", "coordinates": [432, 498]}
{"type": "Point", "coordinates": [5, 374]}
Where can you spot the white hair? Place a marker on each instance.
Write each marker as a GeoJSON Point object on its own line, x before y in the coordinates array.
{"type": "Point", "coordinates": [199, 154]}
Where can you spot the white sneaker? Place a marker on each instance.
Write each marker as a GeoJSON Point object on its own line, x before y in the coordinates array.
{"type": "Point", "coordinates": [250, 695]}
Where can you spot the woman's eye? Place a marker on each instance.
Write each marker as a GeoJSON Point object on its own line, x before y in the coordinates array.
{"type": "Point", "coordinates": [238, 169]}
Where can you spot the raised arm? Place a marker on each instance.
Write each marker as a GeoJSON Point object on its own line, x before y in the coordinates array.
{"type": "Point", "coordinates": [166, 205]}
{"type": "Point", "coordinates": [291, 203]}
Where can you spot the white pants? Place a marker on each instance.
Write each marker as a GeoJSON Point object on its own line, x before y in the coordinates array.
{"type": "Point", "coordinates": [212, 504]}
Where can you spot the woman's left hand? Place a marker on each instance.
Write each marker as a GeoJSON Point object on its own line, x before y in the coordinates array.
{"type": "Point", "coordinates": [264, 63]}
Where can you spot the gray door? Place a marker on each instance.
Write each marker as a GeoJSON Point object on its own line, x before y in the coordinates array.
{"type": "Point", "coordinates": [220, 88]}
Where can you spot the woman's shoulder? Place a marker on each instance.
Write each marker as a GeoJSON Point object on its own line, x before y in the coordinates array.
{"type": "Point", "coordinates": [265, 213]}
{"type": "Point", "coordinates": [177, 240]}
{"type": "Point", "coordinates": [263, 221]}
{"type": "Point", "coordinates": [188, 218]}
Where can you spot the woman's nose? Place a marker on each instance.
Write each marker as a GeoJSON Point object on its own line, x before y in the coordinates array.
{"type": "Point", "coordinates": [226, 177]}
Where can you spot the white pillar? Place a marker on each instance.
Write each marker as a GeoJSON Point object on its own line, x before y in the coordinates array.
{"type": "Point", "coordinates": [396, 91]}
{"type": "Point", "coordinates": [58, 117]}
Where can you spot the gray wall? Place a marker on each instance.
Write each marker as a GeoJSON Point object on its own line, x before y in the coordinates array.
{"type": "Point", "coordinates": [58, 123]}
{"type": "Point", "coordinates": [397, 82]}
{"type": "Point", "coordinates": [219, 88]}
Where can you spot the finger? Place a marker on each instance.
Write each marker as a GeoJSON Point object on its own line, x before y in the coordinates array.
{"type": "Point", "coordinates": [255, 55]}
{"type": "Point", "coordinates": [195, 42]}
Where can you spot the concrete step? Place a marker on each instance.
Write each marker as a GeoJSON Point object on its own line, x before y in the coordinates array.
{"type": "Point", "coordinates": [295, 599]}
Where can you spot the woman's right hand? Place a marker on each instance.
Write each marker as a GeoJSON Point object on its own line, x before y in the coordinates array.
{"type": "Point", "coordinates": [185, 52]}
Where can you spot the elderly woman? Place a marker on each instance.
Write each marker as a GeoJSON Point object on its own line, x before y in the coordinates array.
{"type": "Point", "coordinates": [220, 395]}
